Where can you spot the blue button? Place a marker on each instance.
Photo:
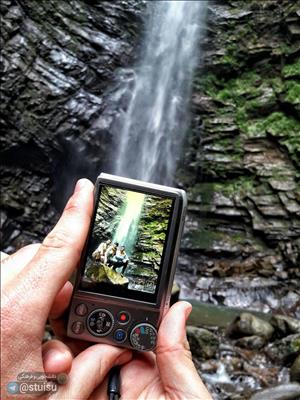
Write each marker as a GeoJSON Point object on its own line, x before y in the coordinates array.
{"type": "Point", "coordinates": [120, 335]}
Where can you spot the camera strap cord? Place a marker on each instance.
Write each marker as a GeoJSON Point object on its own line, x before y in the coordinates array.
{"type": "Point", "coordinates": [114, 383]}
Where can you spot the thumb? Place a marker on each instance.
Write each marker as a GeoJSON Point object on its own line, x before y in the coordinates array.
{"type": "Point", "coordinates": [174, 359]}
{"type": "Point", "coordinates": [59, 254]}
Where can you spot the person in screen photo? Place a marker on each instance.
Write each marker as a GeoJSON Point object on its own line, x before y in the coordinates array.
{"type": "Point", "coordinates": [101, 250]}
{"type": "Point", "coordinates": [120, 259]}
{"type": "Point", "coordinates": [110, 253]}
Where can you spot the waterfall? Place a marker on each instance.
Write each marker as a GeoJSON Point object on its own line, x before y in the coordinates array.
{"type": "Point", "coordinates": [156, 118]}
{"type": "Point", "coordinates": [128, 221]}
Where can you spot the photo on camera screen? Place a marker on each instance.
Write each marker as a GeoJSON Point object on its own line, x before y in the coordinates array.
{"type": "Point", "coordinates": [126, 247]}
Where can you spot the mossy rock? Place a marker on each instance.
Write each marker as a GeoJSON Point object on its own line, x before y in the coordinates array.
{"type": "Point", "coordinates": [292, 70]}
{"type": "Point", "coordinates": [284, 350]}
{"type": "Point", "coordinates": [295, 370]}
{"type": "Point", "coordinates": [203, 343]}
{"type": "Point", "coordinates": [103, 273]}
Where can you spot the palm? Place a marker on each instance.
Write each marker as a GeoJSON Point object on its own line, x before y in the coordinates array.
{"type": "Point", "coordinates": [141, 379]}
{"type": "Point", "coordinates": [169, 375]}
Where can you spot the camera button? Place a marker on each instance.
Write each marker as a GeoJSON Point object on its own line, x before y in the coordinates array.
{"type": "Point", "coordinates": [143, 337]}
{"type": "Point", "coordinates": [77, 327]}
{"type": "Point", "coordinates": [120, 335]}
{"type": "Point", "coordinates": [123, 317]}
{"type": "Point", "coordinates": [100, 322]}
{"type": "Point", "coordinates": [81, 310]}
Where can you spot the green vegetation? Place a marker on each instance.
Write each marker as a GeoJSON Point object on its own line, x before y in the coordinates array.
{"type": "Point", "coordinates": [279, 125]}
{"type": "Point", "coordinates": [242, 185]}
{"type": "Point", "coordinates": [202, 192]}
{"type": "Point", "coordinates": [291, 70]}
{"type": "Point", "coordinates": [252, 95]}
{"type": "Point", "coordinates": [292, 89]}
{"type": "Point", "coordinates": [248, 85]}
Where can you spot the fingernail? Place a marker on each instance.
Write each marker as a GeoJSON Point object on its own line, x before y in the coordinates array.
{"type": "Point", "coordinates": [81, 183]}
{"type": "Point", "coordinates": [53, 354]}
{"type": "Point", "coordinates": [188, 310]}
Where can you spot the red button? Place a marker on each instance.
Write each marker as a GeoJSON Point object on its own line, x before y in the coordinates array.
{"type": "Point", "coordinates": [123, 317]}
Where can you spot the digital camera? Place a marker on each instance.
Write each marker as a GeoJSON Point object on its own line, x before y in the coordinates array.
{"type": "Point", "coordinates": [125, 276]}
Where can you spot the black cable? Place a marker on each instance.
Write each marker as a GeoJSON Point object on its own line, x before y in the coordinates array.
{"type": "Point", "coordinates": [114, 384]}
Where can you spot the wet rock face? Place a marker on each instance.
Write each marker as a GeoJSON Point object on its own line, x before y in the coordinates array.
{"type": "Point", "coordinates": [58, 60]}
{"type": "Point", "coordinates": [247, 325]}
{"type": "Point", "coordinates": [283, 392]}
{"type": "Point", "coordinates": [295, 370]}
{"type": "Point", "coordinates": [259, 355]}
{"type": "Point", "coordinates": [151, 234]}
{"type": "Point", "coordinates": [241, 162]}
{"type": "Point", "coordinates": [285, 349]}
{"type": "Point", "coordinates": [204, 344]}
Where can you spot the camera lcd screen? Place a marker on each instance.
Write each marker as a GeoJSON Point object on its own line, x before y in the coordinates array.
{"type": "Point", "coordinates": [126, 248]}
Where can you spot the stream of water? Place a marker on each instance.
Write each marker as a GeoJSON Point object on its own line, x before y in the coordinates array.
{"type": "Point", "coordinates": [128, 221]}
{"type": "Point", "coordinates": [156, 119]}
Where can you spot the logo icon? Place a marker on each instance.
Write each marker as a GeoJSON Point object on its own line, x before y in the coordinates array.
{"type": "Point", "coordinates": [13, 387]}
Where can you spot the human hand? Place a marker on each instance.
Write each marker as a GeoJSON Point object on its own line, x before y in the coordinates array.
{"type": "Point", "coordinates": [169, 373]}
{"type": "Point", "coordinates": [34, 287]}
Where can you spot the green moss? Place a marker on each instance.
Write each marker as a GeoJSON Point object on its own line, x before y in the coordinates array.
{"type": "Point", "coordinates": [277, 84]}
{"type": "Point", "coordinates": [277, 124]}
{"type": "Point", "coordinates": [254, 128]}
{"type": "Point", "coordinates": [293, 146]}
{"type": "Point", "coordinates": [208, 236]}
{"type": "Point", "coordinates": [280, 124]}
{"type": "Point", "coordinates": [248, 85]}
{"type": "Point", "coordinates": [291, 70]}
{"type": "Point", "coordinates": [202, 239]}
{"type": "Point", "coordinates": [207, 83]}
{"type": "Point", "coordinates": [292, 89]}
{"type": "Point", "coordinates": [295, 344]}
{"type": "Point", "coordinates": [202, 192]}
{"type": "Point", "coordinates": [241, 186]}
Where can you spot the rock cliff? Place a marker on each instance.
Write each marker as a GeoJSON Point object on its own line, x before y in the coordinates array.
{"type": "Point", "coordinates": [243, 149]}
{"type": "Point", "coordinates": [58, 60]}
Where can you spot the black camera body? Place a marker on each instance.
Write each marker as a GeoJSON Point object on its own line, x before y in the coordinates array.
{"type": "Point", "coordinates": [125, 277]}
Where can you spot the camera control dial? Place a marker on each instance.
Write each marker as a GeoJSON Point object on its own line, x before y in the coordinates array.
{"type": "Point", "coordinates": [143, 337]}
{"type": "Point", "coordinates": [100, 322]}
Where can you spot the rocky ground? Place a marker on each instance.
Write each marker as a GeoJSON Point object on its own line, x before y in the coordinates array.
{"type": "Point", "coordinates": [250, 356]}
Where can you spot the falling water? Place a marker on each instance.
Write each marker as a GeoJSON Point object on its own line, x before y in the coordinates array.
{"type": "Point", "coordinates": [154, 124]}
{"type": "Point", "coordinates": [128, 222]}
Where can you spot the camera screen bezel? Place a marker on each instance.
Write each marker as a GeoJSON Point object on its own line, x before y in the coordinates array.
{"type": "Point", "coordinates": [109, 291]}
